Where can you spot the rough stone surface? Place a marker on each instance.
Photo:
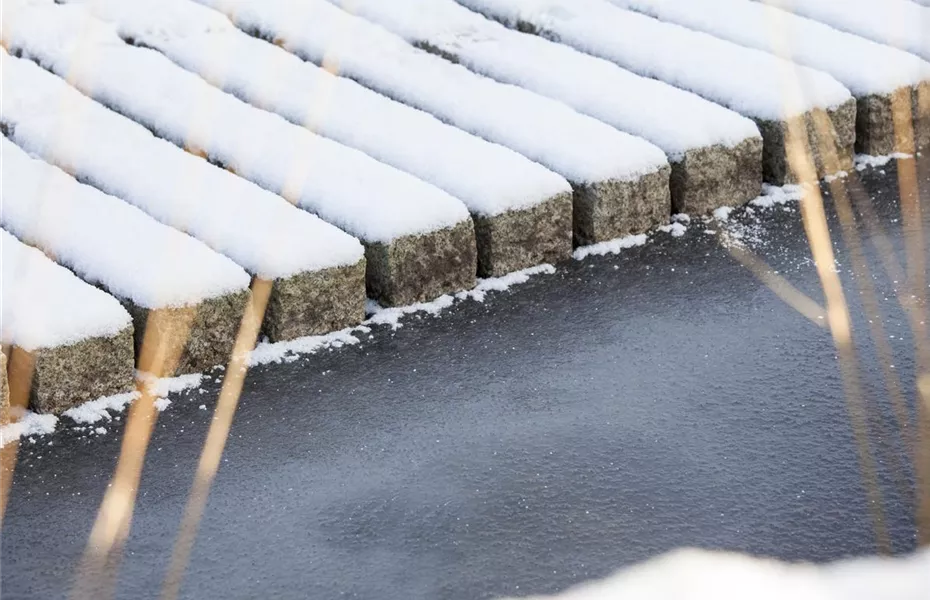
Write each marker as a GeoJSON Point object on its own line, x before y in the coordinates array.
{"type": "Point", "coordinates": [875, 132]}
{"type": "Point", "coordinates": [4, 392]}
{"type": "Point", "coordinates": [195, 338]}
{"type": "Point", "coordinates": [922, 122]}
{"type": "Point", "coordinates": [605, 210]}
{"type": "Point", "coordinates": [416, 268]}
{"type": "Point", "coordinates": [518, 239]}
{"type": "Point", "coordinates": [714, 176]}
{"type": "Point", "coordinates": [64, 376]}
{"type": "Point", "coordinates": [775, 168]}
{"type": "Point", "coordinates": [316, 302]}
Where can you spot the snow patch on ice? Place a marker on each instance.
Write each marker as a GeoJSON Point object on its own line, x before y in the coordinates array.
{"type": "Point", "coordinates": [29, 424]}
{"type": "Point", "coordinates": [723, 213]}
{"type": "Point", "coordinates": [391, 316]}
{"type": "Point", "coordinates": [864, 161]}
{"type": "Point", "coordinates": [99, 409]}
{"type": "Point", "coordinates": [105, 408]}
{"type": "Point", "coordinates": [774, 195]}
{"type": "Point", "coordinates": [163, 386]}
{"type": "Point", "coordinates": [614, 246]}
{"type": "Point", "coordinates": [675, 229]}
{"type": "Point", "coordinates": [278, 352]}
{"type": "Point", "coordinates": [503, 283]}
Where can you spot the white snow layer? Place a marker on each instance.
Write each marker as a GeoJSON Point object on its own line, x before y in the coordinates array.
{"type": "Point", "coordinates": [899, 23]}
{"type": "Point", "coordinates": [44, 305]}
{"type": "Point", "coordinates": [29, 424]}
{"type": "Point", "coordinates": [345, 187]}
{"type": "Point", "coordinates": [576, 146]}
{"type": "Point", "coordinates": [490, 179]}
{"type": "Point", "coordinates": [861, 65]}
{"type": "Point", "coordinates": [674, 120]}
{"type": "Point", "coordinates": [753, 83]}
{"type": "Point", "coordinates": [256, 229]}
{"type": "Point", "coordinates": [106, 241]}
{"type": "Point", "coordinates": [691, 574]}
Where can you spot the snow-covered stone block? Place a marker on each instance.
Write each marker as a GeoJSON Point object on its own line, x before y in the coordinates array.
{"type": "Point", "coordinates": [770, 90]}
{"type": "Point", "coordinates": [258, 230]}
{"type": "Point", "coordinates": [715, 154]}
{"type": "Point", "coordinates": [69, 341]}
{"type": "Point", "coordinates": [374, 202]}
{"type": "Point", "coordinates": [900, 23]}
{"type": "Point", "coordinates": [149, 267]}
{"type": "Point", "coordinates": [875, 74]}
{"type": "Point", "coordinates": [609, 170]}
{"type": "Point", "coordinates": [518, 205]}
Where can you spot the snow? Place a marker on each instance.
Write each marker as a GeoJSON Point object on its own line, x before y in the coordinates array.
{"type": "Point", "coordinates": [674, 229]}
{"type": "Point", "coordinates": [753, 83]}
{"type": "Point", "coordinates": [29, 424]}
{"type": "Point", "coordinates": [267, 353]}
{"type": "Point", "coordinates": [162, 386]}
{"type": "Point", "coordinates": [98, 410]}
{"type": "Point", "coordinates": [578, 147]}
{"type": "Point", "coordinates": [205, 42]}
{"type": "Point", "coordinates": [49, 306]}
{"type": "Point", "coordinates": [504, 283]}
{"type": "Point", "coordinates": [899, 23]}
{"type": "Point", "coordinates": [101, 409]}
{"type": "Point", "coordinates": [864, 161]}
{"type": "Point", "coordinates": [614, 246]}
{"type": "Point", "coordinates": [106, 241]}
{"type": "Point", "coordinates": [392, 315]}
{"type": "Point", "coordinates": [343, 186]}
{"type": "Point", "coordinates": [773, 196]}
{"type": "Point", "coordinates": [723, 213]}
{"type": "Point", "coordinates": [674, 120]}
{"type": "Point", "coordinates": [859, 64]}
{"type": "Point", "coordinates": [181, 190]}
{"type": "Point", "coordinates": [691, 574]}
